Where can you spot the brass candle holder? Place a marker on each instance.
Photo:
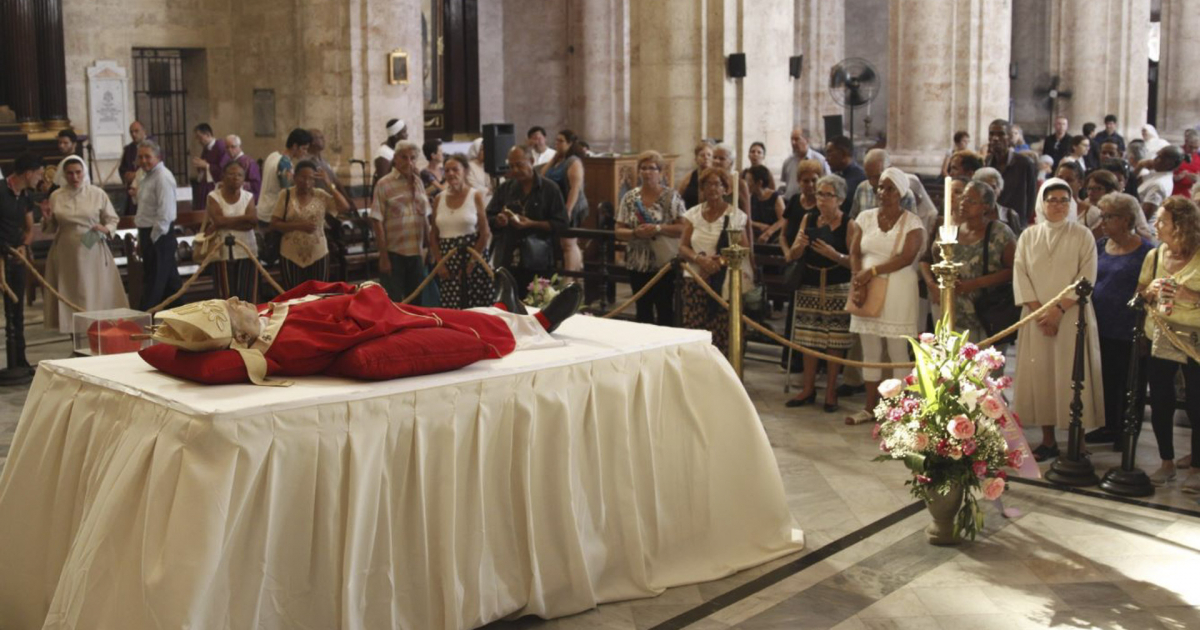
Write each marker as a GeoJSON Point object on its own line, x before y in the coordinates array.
{"type": "Point", "coordinates": [947, 271]}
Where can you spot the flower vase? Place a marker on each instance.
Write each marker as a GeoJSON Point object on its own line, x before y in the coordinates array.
{"type": "Point", "coordinates": [944, 510]}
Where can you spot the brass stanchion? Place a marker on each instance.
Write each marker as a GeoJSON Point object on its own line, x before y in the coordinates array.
{"type": "Point", "coordinates": [734, 254]}
{"type": "Point", "coordinates": [1075, 468]}
{"type": "Point", "coordinates": [1128, 480]}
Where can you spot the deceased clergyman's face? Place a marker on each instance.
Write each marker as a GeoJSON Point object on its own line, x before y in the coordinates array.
{"type": "Point", "coordinates": [243, 317]}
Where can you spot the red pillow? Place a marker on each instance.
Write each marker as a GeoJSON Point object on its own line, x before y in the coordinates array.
{"type": "Point", "coordinates": [410, 352]}
{"type": "Point", "coordinates": [215, 367]}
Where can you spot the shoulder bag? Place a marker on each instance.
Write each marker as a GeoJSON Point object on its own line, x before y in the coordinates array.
{"type": "Point", "coordinates": [877, 287]}
{"type": "Point", "coordinates": [995, 305]}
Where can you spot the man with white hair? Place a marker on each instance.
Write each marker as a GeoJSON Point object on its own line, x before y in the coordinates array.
{"type": "Point", "coordinates": [234, 153]}
{"type": "Point", "coordinates": [864, 196]}
{"type": "Point", "coordinates": [399, 220]}
{"type": "Point", "coordinates": [800, 151]}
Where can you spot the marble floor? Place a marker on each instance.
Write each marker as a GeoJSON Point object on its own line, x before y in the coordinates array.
{"type": "Point", "coordinates": [1071, 559]}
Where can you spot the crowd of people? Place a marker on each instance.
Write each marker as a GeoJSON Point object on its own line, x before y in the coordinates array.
{"type": "Point", "coordinates": [857, 239]}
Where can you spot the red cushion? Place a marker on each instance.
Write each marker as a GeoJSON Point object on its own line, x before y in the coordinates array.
{"type": "Point", "coordinates": [410, 352]}
{"type": "Point", "coordinates": [215, 367]}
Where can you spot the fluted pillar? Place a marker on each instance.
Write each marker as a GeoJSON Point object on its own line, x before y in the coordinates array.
{"type": "Point", "coordinates": [598, 69]}
{"type": "Point", "coordinates": [948, 71]}
{"type": "Point", "coordinates": [1098, 49]}
{"type": "Point", "coordinates": [21, 58]}
{"type": "Point", "coordinates": [1178, 91]}
{"type": "Point", "coordinates": [52, 71]}
{"type": "Point", "coordinates": [820, 35]}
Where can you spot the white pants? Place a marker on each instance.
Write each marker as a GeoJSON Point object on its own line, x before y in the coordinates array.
{"type": "Point", "coordinates": [872, 346]}
{"type": "Point", "coordinates": [526, 329]}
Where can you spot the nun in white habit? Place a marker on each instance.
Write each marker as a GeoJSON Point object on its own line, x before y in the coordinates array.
{"type": "Point", "coordinates": [1051, 254]}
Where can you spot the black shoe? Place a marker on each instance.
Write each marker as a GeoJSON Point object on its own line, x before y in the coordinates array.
{"type": "Point", "coordinates": [850, 390]}
{"type": "Point", "coordinates": [831, 407]}
{"type": "Point", "coordinates": [564, 305]}
{"type": "Point", "coordinates": [1043, 452]}
{"type": "Point", "coordinates": [506, 292]}
{"type": "Point", "coordinates": [1100, 436]}
{"type": "Point", "coordinates": [800, 402]}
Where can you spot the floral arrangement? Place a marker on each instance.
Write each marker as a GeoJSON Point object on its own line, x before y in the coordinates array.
{"type": "Point", "coordinates": [542, 290]}
{"type": "Point", "coordinates": [946, 422]}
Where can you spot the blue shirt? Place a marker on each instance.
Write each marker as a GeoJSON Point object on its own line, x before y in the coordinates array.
{"type": "Point", "coordinates": [1116, 282]}
{"type": "Point", "coordinates": [156, 201]}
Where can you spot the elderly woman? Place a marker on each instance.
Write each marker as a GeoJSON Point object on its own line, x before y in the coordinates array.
{"type": "Point", "coordinates": [566, 170]}
{"type": "Point", "coordinates": [231, 212]}
{"type": "Point", "coordinates": [820, 320]}
{"type": "Point", "coordinates": [706, 232]}
{"type": "Point", "coordinates": [689, 187]}
{"type": "Point", "coordinates": [986, 247]}
{"type": "Point", "coordinates": [650, 221]}
{"type": "Point", "coordinates": [992, 177]}
{"type": "Point", "coordinates": [1170, 280]}
{"type": "Point", "coordinates": [766, 203]}
{"type": "Point", "coordinates": [80, 265]}
{"type": "Point", "coordinates": [460, 219]}
{"type": "Point", "coordinates": [885, 241]}
{"type": "Point", "coordinates": [1120, 254]}
{"type": "Point", "coordinates": [300, 215]}
{"type": "Point", "coordinates": [1052, 254]}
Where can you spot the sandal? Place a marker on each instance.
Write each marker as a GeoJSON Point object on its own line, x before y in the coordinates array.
{"type": "Point", "coordinates": [1043, 452]}
{"type": "Point", "coordinates": [860, 417]}
{"type": "Point", "coordinates": [1184, 462]}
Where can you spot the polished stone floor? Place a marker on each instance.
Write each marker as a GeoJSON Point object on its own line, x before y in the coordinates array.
{"type": "Point", "coordinates": [1069, 560]}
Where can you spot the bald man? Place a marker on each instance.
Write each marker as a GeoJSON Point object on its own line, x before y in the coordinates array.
{"type": "Point", "coordinates": [800, 151]}
{"type": "Point", "coordinates": [129, 171]}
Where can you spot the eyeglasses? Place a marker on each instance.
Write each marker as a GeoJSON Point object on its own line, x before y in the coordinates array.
{"type": "Point", "coordinates": [1058, 200]}
{"type": "Point", "coordinates": [826, 195]}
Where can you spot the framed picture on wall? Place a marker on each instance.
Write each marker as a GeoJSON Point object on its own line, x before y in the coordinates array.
{"type": "Point", "coordinates": [397, 67]}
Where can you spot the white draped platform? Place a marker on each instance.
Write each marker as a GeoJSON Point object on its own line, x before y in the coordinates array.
{"type": "Point", "coordinates": [625, 462]}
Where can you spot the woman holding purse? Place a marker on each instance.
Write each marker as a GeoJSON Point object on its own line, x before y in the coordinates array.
{"type": "Point", "coordinates": [884, 308]}
{"type": "Point", "coordinates": [650, 221]}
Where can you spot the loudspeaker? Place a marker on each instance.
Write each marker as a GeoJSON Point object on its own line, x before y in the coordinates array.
{"type": "Point", "coordinates": [735, 67]}
{"type": "Point", "coordinates": [498, 140]}
{"type": "Point", "coordinates": [795, 64]}
{"type": "Point", "coordinates": [833, 127]}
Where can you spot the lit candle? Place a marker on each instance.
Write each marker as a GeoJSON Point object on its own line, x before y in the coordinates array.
{"type": "Point", "coordinates": [948, 203]}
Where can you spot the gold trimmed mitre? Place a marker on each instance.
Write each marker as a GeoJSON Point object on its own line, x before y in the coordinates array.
{"type": "Point", "coordinates": [198, 327]}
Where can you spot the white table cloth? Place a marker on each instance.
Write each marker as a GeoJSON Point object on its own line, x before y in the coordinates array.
{"type": "Point", "coordinates": [625, 462]}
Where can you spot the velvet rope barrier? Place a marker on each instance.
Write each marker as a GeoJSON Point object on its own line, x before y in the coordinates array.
{"type": "Point", "coordinates": [480, 259]}
{"type": "Point", "coordinates": [261, 270]}
{"type": "Point", "coordinates": [863, 364]}
{"type": "Point", "coordinates": [641, 292]}
{"type": "Point", "coordinates": [188, 284]}
{"type": "Point", "coordinates": [4, 281]}
{"type": "Point", "coordinates": [36, 276]}
{"type": "Point", "coordinates": [424, 283]}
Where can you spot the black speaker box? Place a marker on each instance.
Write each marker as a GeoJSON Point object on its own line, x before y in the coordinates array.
{"type": "Point", "coordinates": [736, 66]}
{"type": "Point", "coordinates": [498, 140]}
{"type": "Point", "coordinates": [833, 127]}
{"type": "Point", "coordinates": [795, 65]}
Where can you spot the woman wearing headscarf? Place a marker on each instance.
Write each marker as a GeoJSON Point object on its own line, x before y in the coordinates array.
{"type": "Point", "coordinates": [1052, 254]}
{"type": "Point", "coordinates": [80, 265]}
{"type": "Point", "coordinates": [885, 241]}
{"type": "Point", "coordinates": [1153, 141]}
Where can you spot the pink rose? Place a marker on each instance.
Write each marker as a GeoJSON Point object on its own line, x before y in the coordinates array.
{"type": "Point", "coordinates": [992, 407]}
{"type": "Point", "coordinates": [1016, 458]}
{"type": "Point", "coordinates": [980, 469]}
{"type": "Point", "coordinates": [993, 488]}
{"type": "Point", "coordinates": [927, 339]}
{"type": "Point", "coordinates": [921, 441]}
{"type": "Point", "coordinates": [961, 427]}
{"type": "Point", "coordinates": [891, 388]}
{"type": "Point", "coordinates": [968, 351]}
{"type": "Point", "coordinates": [956, 453]}
{"type": "Point", "coordinates": [969, 446]}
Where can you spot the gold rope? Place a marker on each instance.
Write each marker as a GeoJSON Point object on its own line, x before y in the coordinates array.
{"type": "Point", "coordinates": [37, 276]}
{"type": "Point", "coordinates": [187, 285]}
{"type": "Point", "coordinates": [637, 296]}
{"type": "Point", "coordinates": [479, 258]}
{"type": "Point", "coordinates": [4, 282]}
{"type": "Point", "coordinates": [261, 270]}
{"type": "Point", "coordinates": [424, 283]}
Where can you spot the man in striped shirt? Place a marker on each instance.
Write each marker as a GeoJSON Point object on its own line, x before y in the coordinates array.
{"type": "Point", "coordinates": [399, 218]}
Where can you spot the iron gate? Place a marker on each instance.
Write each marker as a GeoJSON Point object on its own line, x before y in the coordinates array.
{"type": "Point", "coordinates": [160, 104]}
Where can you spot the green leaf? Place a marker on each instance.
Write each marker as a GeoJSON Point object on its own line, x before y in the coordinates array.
{"type": "Point", "coordinates": [915, 462]}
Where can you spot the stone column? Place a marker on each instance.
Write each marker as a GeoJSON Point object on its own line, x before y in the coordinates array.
{"type": "Point", "coordinates": [1105, 71]}
{"type": "Point", "coordinates": [598, 71]}
{"type": "Point", "coordinates": [820, 38]}
{"type": "Point", "coordinates": [52, 73]}
{"type": "Point", "coordinates": [940, 85]}
{"type": "Point", "coordinates": [21, 57]}
{"type": "Point", "coordinates": [1178, 91]}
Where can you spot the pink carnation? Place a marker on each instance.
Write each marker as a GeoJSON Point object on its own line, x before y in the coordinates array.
{"type": "Point", "coordinates": [992, 407]}
{"type": "Point", "coordinates": [969, 446]}
{"type": "Point", "coordinates": [991, 359]}
{"type": "Point", "coordinates": [943, 448]}
{"type": "Point", "coordinates": [891, 388]}
{"type": "Point", "coordinates": [961, 427]}
{"type": "Point", "coordinates": [980, 469]}
{"type": "Point", "coordinates": [895, 414]}
{"type": "Point", "coordinates": [993, 488]}
{"type": "Point", "coordinates": [911, 379]}
{"type": "Point", "coordinates": [911, 405]}
{"type": "Point", "coordinates": [968, 351]}
{"type": "Point", "coordinates": [1016, 458]}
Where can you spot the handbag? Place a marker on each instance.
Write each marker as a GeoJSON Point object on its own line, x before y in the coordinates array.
{"type": "Point", "coordinates": [273, 241]}
{"type": "Point", "coordinates": [664, 248]}
{"type": "Point", "coordinates": [877, 287]}
{"type": "Point", "coordinates": [536, 253]}
{"type": "Point", "coordinates": [995, 305]}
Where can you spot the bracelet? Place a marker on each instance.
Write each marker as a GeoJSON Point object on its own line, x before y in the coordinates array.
{"type": "Point", "coordinates": [1060, 308]}
{"type": "Point", "coordinates": [874, 272]}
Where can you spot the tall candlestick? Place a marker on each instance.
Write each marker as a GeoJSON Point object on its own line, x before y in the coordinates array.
{"type": "Point", "coordinates": [949, 204]}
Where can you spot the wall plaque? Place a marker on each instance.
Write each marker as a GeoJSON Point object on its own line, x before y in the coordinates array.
{"type": "Point", "coordinates": [264, 113]}
{"type": "Point", "coordinates": [108, 108]}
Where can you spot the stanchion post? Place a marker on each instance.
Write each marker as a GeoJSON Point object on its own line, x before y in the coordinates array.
{"type": "Point", "coordinates": [947, 271]}
{"type": "Point", "coordinates": [1075, 469]}
{"type": "Point", "coordinates": [1128, 480]}
{"type": "Point", "coordinates": [734, 254]}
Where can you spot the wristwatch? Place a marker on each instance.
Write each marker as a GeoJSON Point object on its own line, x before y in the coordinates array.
{"type": "Point", "coordinates": [658, 228]}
